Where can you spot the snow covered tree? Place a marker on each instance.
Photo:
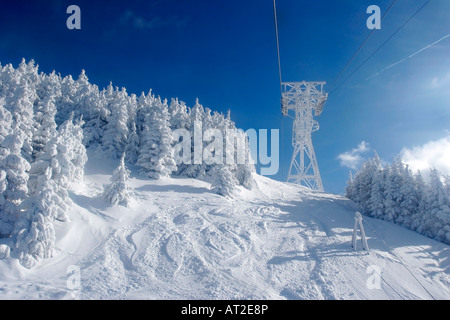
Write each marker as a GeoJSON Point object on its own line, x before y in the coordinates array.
{"type": "Point", "coordinates": [5, 223]}
{"type": "Point", "coordinates": [68, 164]}
{"type": "Point", "coordinates": [437, 214]}
{"type": "Point", "coordinates": [350, 189]}
{"type": "Point", "coordinates": [238, 153]}
{"type": "Point", "coordinates": [15, 177]}
{"type": "Point", "coordinates": [196, 168]}
{"type": "Point", "coordinates": [86, 101]}
{"type": "Point", "coordinates": [83, 96]}
{"type": "Point", "coordinates": [48, 93]}
{"type": "Point", "coordinates": [420, 189]}
{"type": "Point", "coordinates": [409, 203]}
{"type": "Point", "coordinates": [49, 85]}
{"type": "Point", "coordinates": [376, 207]}
{"type": "Point", "coordinates": [392, 195]}
{"type": "Point", "coordinates": [36, 240]}
{"type": "Point", "coordinates": [44, 166]}
{"type": "Point", "coordinates": [64, 102]}
{"type": "Point", "coordinates": [143, 106]}
{"type": "Point", "coordinates": [244, 175]}
{"type": "Point", "coordinates": [34, 230]}
{"type": "Point", "coordinates": [156, 155]}
{"type": "Point", "coordinates": [223, 180]}
{"type": "Point", "coordinates": [29, 72]}
{"type": "Point", "coordinates": [118, 192]}
{"type": "Point", "coordinates": [5, 121]}
{"type": "Point", "coordinates": [8, 79]}
{"type": "Point", "coordinates": [132, 146]}
{"type": "Point", "coordinates": [131, 110]}
{"type": "Point", "coordinates": [116, 129]}
{"type": "Point", "coordinates": [362, 183]}
{"type": "Point", "coordinates": [444, 233]}
{"type": "Point", "coordinates": [447, 185]}
{"type": "Point", "coordinates": [20, 104]}
{"type": "Point", "coordinates": [179, 120]}
{"type": "Point", "coordinates": [179, 117]}
{"type": "Point", "coordinates": [44, 124]}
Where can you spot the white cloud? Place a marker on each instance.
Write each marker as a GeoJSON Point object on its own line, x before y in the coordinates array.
{"type": "Point", "coordinates": [433, 154]}
{"type": "Point", "coordinates": [440, 82]}
{"type": "Point", "coordinates": [352, 159]}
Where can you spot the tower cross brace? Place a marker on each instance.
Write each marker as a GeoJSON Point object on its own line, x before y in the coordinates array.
{"type": "Point", "coordinates": [304, 100]}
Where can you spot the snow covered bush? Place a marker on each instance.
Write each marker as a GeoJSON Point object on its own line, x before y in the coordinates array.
{"type": "Point", "coordinates": [118, 192]}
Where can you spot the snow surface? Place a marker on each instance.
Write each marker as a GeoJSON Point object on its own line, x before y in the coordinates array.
{"type": "Point", "coordinates": [180, 240]}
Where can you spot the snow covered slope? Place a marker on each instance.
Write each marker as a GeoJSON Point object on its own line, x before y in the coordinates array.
{"type": "Point", "coordinates": [179, 240]}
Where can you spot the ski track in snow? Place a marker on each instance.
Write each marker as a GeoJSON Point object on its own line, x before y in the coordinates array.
{"type": "Point", "coordinates": [180, 241]}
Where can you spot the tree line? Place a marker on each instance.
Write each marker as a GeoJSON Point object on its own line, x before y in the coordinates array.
{"type": "Point", "coordinates": [46, 123]}
{"type": "Point", "coordinates": [394, 193]}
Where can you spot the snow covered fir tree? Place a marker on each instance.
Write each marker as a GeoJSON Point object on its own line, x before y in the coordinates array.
{"type": "Point", "coordinates": [46, 123]}
{"type": "Point", "coordinates": [118, 191]}
{"type": "Point", "coordinates": [156, 155]}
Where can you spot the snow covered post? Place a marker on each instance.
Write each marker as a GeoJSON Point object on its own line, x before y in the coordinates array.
{"type": "Point", "coordinates": [358, 223]}
{"type": "Point", "coordinates": [355, 230]}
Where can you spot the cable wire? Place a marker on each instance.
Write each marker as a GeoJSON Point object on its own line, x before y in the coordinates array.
{"type": "Point", "coordinates": [360, 47]}
{"type": "Point", "coordinates": [278, 44]}
{"type": "Point", "coordinates": [281, 87]}
{"type": "Point", "coordinates": [381, 46]}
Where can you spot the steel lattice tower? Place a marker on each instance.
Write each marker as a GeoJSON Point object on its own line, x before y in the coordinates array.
{"type": "Point", "coordinates": [306, 100]}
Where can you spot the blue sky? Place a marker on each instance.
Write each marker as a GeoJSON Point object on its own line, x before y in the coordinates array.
{"type": "Point", "coordinates": [224, 53]}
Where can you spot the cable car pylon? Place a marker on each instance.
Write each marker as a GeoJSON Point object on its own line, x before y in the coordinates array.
{"type": "Point", "coordinates": [305, 100]}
